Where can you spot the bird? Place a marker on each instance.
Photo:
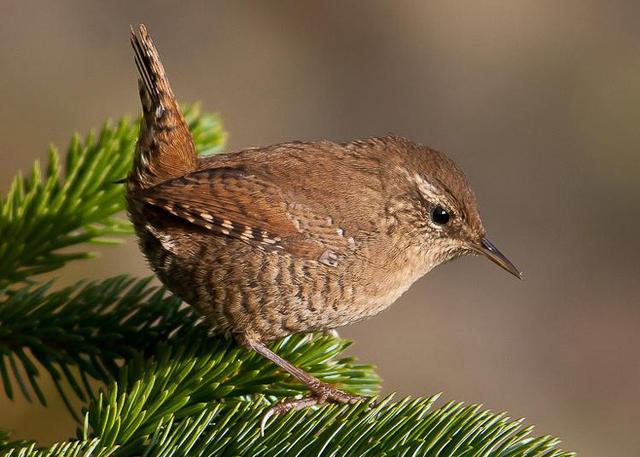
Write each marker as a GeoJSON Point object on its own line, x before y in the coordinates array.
{"type": "Point", "coordinates": [296, 237]}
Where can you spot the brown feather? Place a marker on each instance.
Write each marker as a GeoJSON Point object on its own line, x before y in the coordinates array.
{"type": "Point", "coordinates": [165, 148]}
{"type": "Point", "coordinates": [231, 202]}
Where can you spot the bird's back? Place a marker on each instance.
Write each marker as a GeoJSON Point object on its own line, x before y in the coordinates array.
{"type": "Point", "coordinates": [313, 267]}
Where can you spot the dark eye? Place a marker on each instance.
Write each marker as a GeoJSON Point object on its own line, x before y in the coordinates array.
{"type": "Point", "coordinates": [439, 215]}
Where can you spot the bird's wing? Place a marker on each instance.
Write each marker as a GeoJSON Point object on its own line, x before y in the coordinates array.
{"type": "Point", "coordinates": [233, 202]}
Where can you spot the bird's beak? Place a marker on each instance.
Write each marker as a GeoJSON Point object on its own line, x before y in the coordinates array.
{"type": "Point", "coordinates": [486, 248]}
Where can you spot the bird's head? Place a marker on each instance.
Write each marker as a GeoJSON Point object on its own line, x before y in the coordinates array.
{"type": "Point", "coordinates": [440, 207]}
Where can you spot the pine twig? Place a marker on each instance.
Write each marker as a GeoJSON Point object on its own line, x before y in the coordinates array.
{"type": "Point", "coordinates": [45, 214]}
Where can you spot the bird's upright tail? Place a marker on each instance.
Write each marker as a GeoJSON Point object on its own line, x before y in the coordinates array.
{"type": "Point", "coordinates": [165, 147]}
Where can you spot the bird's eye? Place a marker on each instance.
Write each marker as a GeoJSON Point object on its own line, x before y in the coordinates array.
{"type": "Point", "coordinates": [439, 215]}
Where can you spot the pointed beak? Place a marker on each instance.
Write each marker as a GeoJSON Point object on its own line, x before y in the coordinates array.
{"type": "Point", "coordinates": [486, 248]}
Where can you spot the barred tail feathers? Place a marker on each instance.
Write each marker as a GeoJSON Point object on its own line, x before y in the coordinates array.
{"type": "Point", "coordinates": [165, 147]}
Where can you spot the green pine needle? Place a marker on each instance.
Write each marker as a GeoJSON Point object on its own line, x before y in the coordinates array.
{"type": "Point", "coordinates": [50, 211]}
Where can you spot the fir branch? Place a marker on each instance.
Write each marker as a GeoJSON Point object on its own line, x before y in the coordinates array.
{"type": "Point", "coordinates": [410, 427]}
{"type": "Point", "coordinates": [47, 212]}
{"type": "Point", "coordinates": [89, 448]}
{"type": "Point", "coordinates": [81, 331]}
{"type": "Point", "coordinates": [187, 376]}
{"type": "Point", "coordinates": [85, 331]}
{"type": "Point", "coordinates": [186, 401]}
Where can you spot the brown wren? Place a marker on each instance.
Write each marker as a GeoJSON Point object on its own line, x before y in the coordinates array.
{"type": "Point", "coordinates": [294, 237]}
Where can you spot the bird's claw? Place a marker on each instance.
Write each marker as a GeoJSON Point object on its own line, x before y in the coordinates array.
{"type": "Point", "coordinates": [320, 393]}
{"type": "Point", "coordinates": [286, 406]}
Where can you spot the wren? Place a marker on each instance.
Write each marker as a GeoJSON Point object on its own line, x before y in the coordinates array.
{"type": "Point", "coordinates": [296, 237]}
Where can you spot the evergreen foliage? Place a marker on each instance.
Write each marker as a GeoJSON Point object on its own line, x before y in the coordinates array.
{"type": "Point", "coordinates": [168, 387]}
{"type": "Point", "coordinates": [42, 215]}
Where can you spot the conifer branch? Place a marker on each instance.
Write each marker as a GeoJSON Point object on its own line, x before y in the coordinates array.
{"type": "Point", "coordinates": [81, 332]}
{"type": "Point", "coordinates": [87, 331]}
{"type": "Point", "coordinates": [185, 379]}
{"type": "Point", "coordinates": [169, 388]}
{"type": "Point", "coordinates": [410, 427]}
{"type": "Point", "coordinates": [50, 211]}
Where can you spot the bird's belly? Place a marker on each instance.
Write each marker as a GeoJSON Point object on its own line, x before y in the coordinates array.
{"type": "Point", "coordinates": [243, 290]}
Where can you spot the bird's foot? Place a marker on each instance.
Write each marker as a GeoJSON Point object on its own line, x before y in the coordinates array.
{"type": "Point", "coordinates": [331, 332]}
{"type": "Point", "coordinates": [321, 393]}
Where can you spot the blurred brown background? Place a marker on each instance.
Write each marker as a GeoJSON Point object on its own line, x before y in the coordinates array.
{"type": "Point", "coordinates": [537, 100]}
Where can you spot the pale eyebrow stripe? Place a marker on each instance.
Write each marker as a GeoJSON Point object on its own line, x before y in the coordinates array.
{"type": "Point", "coordinates": [427, 189]}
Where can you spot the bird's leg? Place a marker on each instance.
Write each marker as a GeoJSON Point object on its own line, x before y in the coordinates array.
{"type": "Point", "coordinates": [321, 392]}
{"type": "Point", "coordinates": [331, 332]}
